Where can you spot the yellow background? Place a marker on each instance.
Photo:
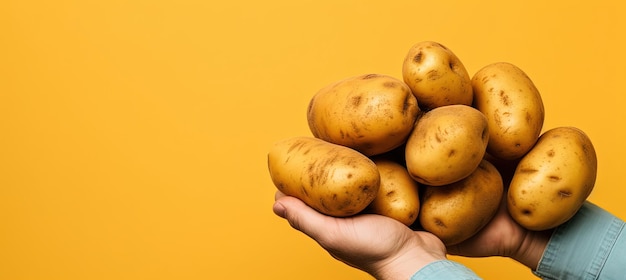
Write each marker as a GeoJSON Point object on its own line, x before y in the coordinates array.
{"type": "Point", "coordinates": [133, 134]}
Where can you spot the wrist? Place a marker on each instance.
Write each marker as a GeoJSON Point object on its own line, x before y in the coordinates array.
{"type": "Point", "coordinates": [403, 267]}
{"type": "Point", "coordinates": [408, 261]}
{"type": "Point", "coordinates": [532, 247]}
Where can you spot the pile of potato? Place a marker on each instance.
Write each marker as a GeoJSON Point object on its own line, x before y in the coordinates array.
{"type": "Point", "coordinates": [438, 150]}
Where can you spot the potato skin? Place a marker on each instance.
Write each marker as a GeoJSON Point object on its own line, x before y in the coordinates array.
{"type": "Point", "coordinates": [457, 211]}
{"type": "Point", "coordinates": [446, 145]}
{"type": "Point", "coordinates": [333, 179]}
{"type": "Point", "coordinates": [371, 113]}
{"type": "Point", "coordinates": [398, 195]}
{"type": "Point", "coordinates": [553, 180]}
{"type": "Point", "coordinates": [436, 76]}
{"type": "Point", "coordinates": [513, 107]}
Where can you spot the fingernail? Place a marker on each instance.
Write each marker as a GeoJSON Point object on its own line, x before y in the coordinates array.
{"type": "Point", "coordinates": [279, 209]}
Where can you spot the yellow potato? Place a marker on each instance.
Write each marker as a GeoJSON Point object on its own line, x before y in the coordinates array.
{"type": "Point", "coordinates": [553, 180]}
{"type": "Point", "coordinates": [446, 145]}
{"type": "Point", "coordinates": [333, 179]}
{"type": "Point", "coordinates": [457, 211]}
{"type": "Point", "coordinates": [513, 107]}
{"type": "Point", "coordinates": [436, 76]}
{"type": "Point", "coordinates": [398, 196]}
{"type": "Point", "coordinates": [372, 113]}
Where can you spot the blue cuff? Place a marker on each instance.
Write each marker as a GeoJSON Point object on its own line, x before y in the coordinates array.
{"type": "Point", "coordinates": [591, 245]}
{"type": "Point", "coordinates": [444, 270]}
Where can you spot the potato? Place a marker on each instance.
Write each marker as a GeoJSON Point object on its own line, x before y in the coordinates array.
{"type": "Point", "coordinates": [553, 180]}
{"type": "Point", "coordinates": [457, 211]}
{"type": "Point", "coordinates": [513, 107]}
{"type": "Point", "coordinates": [372, 113]}
{"type": "Point", "coordinates": [398, 195]}
{"type": "Point", "coordinates": [333, 179]}
{"type": "Point", "coordinates": [436, 76]}
{"type": "Point", "coordinates": [446, 145]}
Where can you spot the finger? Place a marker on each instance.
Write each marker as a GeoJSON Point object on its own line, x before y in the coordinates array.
{"type": "Point", "coordinates": [301, 217]}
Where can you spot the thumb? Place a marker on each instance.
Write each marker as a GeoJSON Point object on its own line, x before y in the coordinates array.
{"type": "Point", "coordinates": [300, 216]}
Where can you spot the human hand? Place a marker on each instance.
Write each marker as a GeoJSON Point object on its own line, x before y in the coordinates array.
{"type": "Point", "coordinates": [378, 245]}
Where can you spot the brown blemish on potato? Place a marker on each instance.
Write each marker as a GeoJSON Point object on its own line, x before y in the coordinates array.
{"type": "Point", "coordinates": [313, 175]}
{"type": "Point", "coordinates": [440, 223]}
{"type": "Point", "coordinates": [412, 215]}
{"type": "Point", "coordinates": [433, 75]}
{"type": "Point", "coordinates": [319, 171]}
{"type": "Point", "coordinates": [365, 188]}
{"type": "Point", "coordinates": [554, 178]}
{"type": "Point", "coordinates": [389, 84]}
{"type": "Point", "coordinates": [356, 128]}
{"type": "Point", "coordinates": [451, 153]}
{"type": "Point", "coordinates": [438, 138]}
{"type": "Point", "coordinates": [370, 76]}
{"type": "Point", "coordinates": [323, 204]}
{"type": "Point", "coordinates": [369, 110]}
{"type": "Point", "coordinates": [564, 194]}
{"type": "Point", "coordinates": [496, 118]}
{"type": "Point", "coordinates": [390, 193]}
{"type": "Point", "coordinates": [296, 145]}
{"type": "Point", "coordinates": [407, 103]}
{"type": "Point", "coordinates": [355, 100]}
{"type": "Point", "coordinates": [550, 153]}
{"type": "Point", "coordinates": [528, 170]}
{"type": "Point", "coordinates": [504, 98]}
{"type": "Point", "coordinates": [483, 166]}
{"type": "Point", "coordinates": [529, 117]}
{"type": "Point", "coordinates": [311, 167]}
{"type": "Point", "coordinates": [526, 212]}
{"type": "Point", "coordinates": [418, 57]}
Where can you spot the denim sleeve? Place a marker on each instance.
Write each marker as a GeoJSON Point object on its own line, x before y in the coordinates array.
{"type": "Point", "coordinates": [444, 270]}
{"type": "Point", "coordinates": [591, 245]}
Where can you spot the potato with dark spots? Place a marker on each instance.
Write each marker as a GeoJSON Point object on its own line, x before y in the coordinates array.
{"type": "Point", "coordinates": [446, 145]}
{"type": "Point", "coordinates": [333, 179]}
{"type": "Point", "coordinates": [553, 180]}
{"type": "Point", "coordinates": [513, 107]}
{"type": "Point", "coordinates": [457, 211]}
{"type": "Point", "coordinates": [398, 195]}
{"type": "Point", "coordinates": [371, 113]}
{"type": "Point", "coordinates": [436, 76]}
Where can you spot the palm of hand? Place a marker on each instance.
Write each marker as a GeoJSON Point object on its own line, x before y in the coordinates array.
{"type": "Point", "coordinates": [376, 244]}
{"type": "Point", "coordinates": [374, 239]}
